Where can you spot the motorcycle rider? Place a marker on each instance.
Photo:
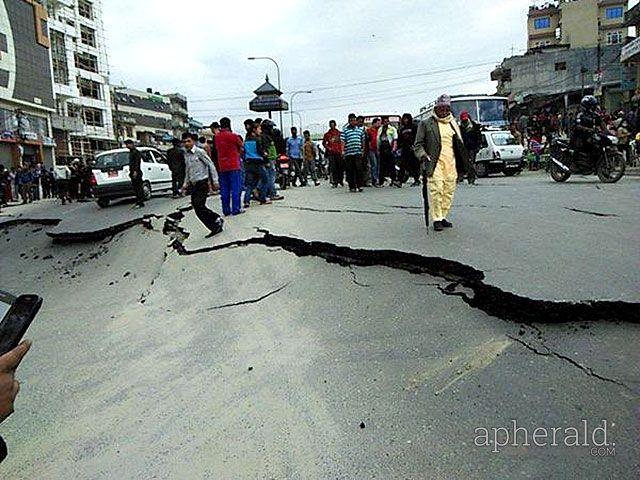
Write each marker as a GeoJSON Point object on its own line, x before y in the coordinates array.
{"type": "Point", "coordinates": [588, 122]}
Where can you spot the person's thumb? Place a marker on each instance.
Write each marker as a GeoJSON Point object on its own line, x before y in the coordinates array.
{"type": "Point", "coordinates": [11, 360]}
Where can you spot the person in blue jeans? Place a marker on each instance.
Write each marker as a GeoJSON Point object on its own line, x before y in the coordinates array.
{"type": "Point", "coordinates": [255, 171]}
{"type": "Point", "coordinates": [229, 148]}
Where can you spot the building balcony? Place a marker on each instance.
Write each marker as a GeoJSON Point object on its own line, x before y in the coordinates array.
{"type": "Point", "coordinates": [69, 124]}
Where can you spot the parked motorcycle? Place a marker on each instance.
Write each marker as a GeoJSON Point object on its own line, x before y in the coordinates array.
{"type": "Point", "coordinates": [283, 171]}
{"type": "Point", "coordinates": [609, 163]}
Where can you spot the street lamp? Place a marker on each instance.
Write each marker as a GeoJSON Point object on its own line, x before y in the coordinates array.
{"type": "Point", "coordinates": [278, 71]}
{"type": "Point", "coordinates": [293, 95]}
{"type": "Point", "coordinates": [299, 115]}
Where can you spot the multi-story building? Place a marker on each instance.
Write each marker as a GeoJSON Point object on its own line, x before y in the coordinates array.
{"type": "Point", "coordinates": [543, 24]}
{"type": "Point", "coordinates": [630, 54]}
{"type": "Point", "coordinates": [179, 114]}
{"type": "Point", "coordinates": [145, 116]}
{"type": "Point", "coordinates": [26, 90]}
{"type": "Point", "coordinates": [83, 123]}
{"type": "Point", "coordinates": [577, 23]}
{"type": "Point", "coordinates": [574, 49]}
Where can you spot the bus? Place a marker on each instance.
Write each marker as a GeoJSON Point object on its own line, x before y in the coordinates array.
{"type": "Point", "coordinates": [489, 110]}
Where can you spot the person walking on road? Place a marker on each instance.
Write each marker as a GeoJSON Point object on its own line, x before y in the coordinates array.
{"type": "Point", "coordinates": [354, 138]}
{"type": "Point", "coordinates": [409, 165]}
{"type": "Point", "coordinates": [310, 153]}
{"type": "Point", "coordinates": [135, 172]}
{"type": "Point", "coordinates": [332, 144]}
{"type": "Point", "coordinates": [372, 134]}
{"type": "Point", "coordinates": [294, 152]}
{"type": "Point", "coordinates": [201, 175]}
{"type": "Point", "coordinates": [440, 148]}
{"type": "Point", "coordinates": [472, 138]}
{"type": "Point", "coordinates": [175, 160]}
{"type": "Point", "coordinates": [387, 145]}
{"type": "Point", "coordinates": [229, 148]}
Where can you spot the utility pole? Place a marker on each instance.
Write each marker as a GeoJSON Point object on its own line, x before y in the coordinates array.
{"type": "Point", "coordinates": [598, 89]}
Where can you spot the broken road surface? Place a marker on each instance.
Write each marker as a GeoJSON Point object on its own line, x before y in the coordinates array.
{"type": "Point", "coordinates": [327, 336]}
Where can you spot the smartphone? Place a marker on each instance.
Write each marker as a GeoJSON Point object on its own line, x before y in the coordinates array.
{"type": "Point", "coordinates": [16, 313]}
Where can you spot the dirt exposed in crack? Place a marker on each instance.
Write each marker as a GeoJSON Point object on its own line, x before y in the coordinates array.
{"type": "Point", "coordinates": [469, 282]}
{"type": "Point", "coordinates": [589, 212]}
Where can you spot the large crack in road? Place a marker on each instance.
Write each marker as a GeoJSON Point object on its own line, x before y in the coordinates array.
{"type": "Point", "coordinates": [490, 299]}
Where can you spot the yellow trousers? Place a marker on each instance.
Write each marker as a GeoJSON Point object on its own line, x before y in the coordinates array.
{"type": "Point", "coordinates": [442, 186]}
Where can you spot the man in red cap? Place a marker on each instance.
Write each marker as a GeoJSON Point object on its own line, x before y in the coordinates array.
{"type": "Point", "coordinates": [472, 138]}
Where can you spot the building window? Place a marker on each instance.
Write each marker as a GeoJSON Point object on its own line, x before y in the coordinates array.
{"type": "Point", "coordinates": [86, 61]}
{"type": "Point", "coordinates": [561, 66]}
{"type": "Point", "coordinates": [87, 35]}
{"type": "Point", "coordinates": [614, 12]}
{"type": "Point", "coordinates": [74, 110]}
{"type": "Point", "coordinates": [59, 58]}
{"type": "Point", "coordinates": [89, 88]}
{"type": "Point", "coordinates": [85, 9]}
{"type": "Point", "coordinates": [93, 117]}
{"type": "Point", "coordinates": [614, 38]}
{"type": "Point", "coordinates": [541, 23]}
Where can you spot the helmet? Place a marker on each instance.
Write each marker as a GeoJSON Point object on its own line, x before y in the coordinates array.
{"type": "Point", "coordinates": [590, 103]}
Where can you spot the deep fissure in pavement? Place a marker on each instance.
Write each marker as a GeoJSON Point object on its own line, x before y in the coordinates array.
{"type": "Point", "coordinates": [487, 298]}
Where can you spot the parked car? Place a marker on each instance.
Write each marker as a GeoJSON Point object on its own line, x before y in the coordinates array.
{"type": "Point", "coordinates": [111, 174]}
{"type": "Point", "coordinates": [500, 153]}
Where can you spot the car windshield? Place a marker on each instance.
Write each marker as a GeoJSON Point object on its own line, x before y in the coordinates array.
{"type": "Point", "coordinates": [503, 139]}
{"type": "Point", "coordinates": [112, 160]}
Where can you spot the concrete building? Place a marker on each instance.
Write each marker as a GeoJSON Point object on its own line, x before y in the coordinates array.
{"type": "Point", "coordinates": [630, 54]}
{"type": "Point", "coordinates": [543, 24]}
{"type": "Point", "coordinates": [564, 75]}
{"type": "Point", "coordinates": [145, 116]}
{"type": "Point", "coordinates": [577, 23]}
{"type": "Point", "coordinates": [26, 86]}
{"type": "Point", "coordinates": [83, 122]}
{"type": "Point", "coordinates": [179, 114]}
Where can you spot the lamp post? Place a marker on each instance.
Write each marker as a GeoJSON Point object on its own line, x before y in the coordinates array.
{"type": "Point", "coordinates": [293, 95]}
{"type": "Point", "coordinates": [279, 83]}
{"type": "Point", "coordinates": [299, 115]}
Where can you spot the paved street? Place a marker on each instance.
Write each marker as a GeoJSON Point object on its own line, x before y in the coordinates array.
{"type": "Point", "coordinates": [327, 336]}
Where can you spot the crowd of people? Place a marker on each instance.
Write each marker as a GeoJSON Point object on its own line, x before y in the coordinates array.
{"type": "Point", "coordinates": [31, 182]}
{"type": "Point", "coordinates": [535, 132]}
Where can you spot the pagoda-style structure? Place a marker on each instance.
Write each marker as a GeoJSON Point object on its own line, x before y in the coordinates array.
{"type": "Point", "coordinates": [268, 99]}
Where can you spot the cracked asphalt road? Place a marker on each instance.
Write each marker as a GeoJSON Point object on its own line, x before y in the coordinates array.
{"type": "Point", "coordinates": [264, 359]}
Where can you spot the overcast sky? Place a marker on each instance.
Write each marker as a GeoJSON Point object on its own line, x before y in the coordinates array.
{"type": "Point", "coordinates": [200, 48]}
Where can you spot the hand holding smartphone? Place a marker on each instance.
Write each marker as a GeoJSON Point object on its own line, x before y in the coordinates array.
{"type": "Point", "coordinates": [16, 313]}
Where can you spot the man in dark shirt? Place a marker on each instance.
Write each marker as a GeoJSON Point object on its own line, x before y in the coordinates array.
{"type": "Point", "coordinates": [175, 160]}
{"type": "Point", "coordinates": [135, 172]}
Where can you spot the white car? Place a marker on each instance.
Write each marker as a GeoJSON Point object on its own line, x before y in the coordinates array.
{"type": "Point", "coordinates": [111, 174]}
{"type": "Point", "coordinates": [500, 153]}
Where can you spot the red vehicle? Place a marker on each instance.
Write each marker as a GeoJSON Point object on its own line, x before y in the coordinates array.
{"type": "Point", "coordinates": [283, 170]}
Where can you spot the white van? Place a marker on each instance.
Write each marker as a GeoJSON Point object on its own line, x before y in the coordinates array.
{"type": "Point", "coordinates": [111, 174]}
{"type": "Point", "coordinates": [500, 153]}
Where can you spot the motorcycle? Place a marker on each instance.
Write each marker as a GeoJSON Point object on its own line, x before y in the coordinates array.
{"type": "Point", "coordinates": [609, 165]}
{"type": "Point", "coordinates": [283, 171]}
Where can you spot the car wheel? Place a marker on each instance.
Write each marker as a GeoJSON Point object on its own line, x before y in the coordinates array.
{"type": "Point", "coordinates": [482, 170]}
{"type": "Point", "coordinates": [103, 202]}
{"type": "Point", "coordinates": [146, 190]}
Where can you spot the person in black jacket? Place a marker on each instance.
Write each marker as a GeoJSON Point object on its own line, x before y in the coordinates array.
{"type": "Point", "coordinates": [408, 161]}
{"type": "Point", "coordinates": [175, 160]}
{"type": "Point", "coordinates": [472, 138]}
{"type": "Point", "coordinates": [135, 172]}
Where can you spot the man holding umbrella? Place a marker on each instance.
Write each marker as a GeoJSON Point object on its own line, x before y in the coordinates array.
{"type": "Point", "coordinates": [440, 149]}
